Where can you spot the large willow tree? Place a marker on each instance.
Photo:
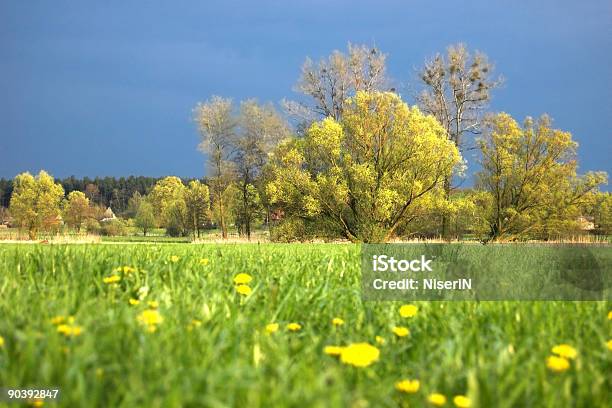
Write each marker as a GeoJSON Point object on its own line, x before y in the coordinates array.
{"type": "Point", "coordinates": [529, 172]}
{"type": "Point", "coordinates": [364, 174]}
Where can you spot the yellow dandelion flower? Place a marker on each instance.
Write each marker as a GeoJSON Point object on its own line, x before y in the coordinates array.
{"type": "Point", "coordinates": [204, 261]}
{"type": "Point", "coordinates": [193, 324]}
{"type": "Point", "coordinates": [461, 401]}
{"type": "Point", "coordinates": [557, 364]}
{"type": "Point", "coordinates": [408, 311]}
{"type": "Point", "coordinates": [153, 304]}
{"type": "Point", "coordinates": [1, 341]}
{"type": "Point", "coordinates": [336, 321]}
{"type": "Point", "coordinates": [134, 302]}
{"type": "Point", "coordinates": [565, 351]}
{"type": "Point", "coordinates": [242, 279]}
{"type": "Point", "coordinates": [69, 330]}
{"type": "Point", "coordinates": [610, 315]}
{"type": "Point", "coordinates": [408, 386]}
{"type": "Point", "coordinates": [174, 258]}
{"type": "Point", "coordinates": [359, 354]}
{"type": "Point", "coordinates": [124, 269]}
{"type": "Point", "coordinates": [150, 317]}
{"type": "Point", "coordinates": [271, 328]}
{"type": "Point", "coordinates": [380, 340]}
{"type": "Point", "coordinates": [112, 279]}
{"type": "Point", "coordinates": [58, 320]}
{"type": "Point", "coordinates": [609, 344]}
{"type": "Point", "coordinates": [244, 290]}
{"type": "Point", "coordinates": [401, 331]}
{"type": "Point", "coordinates": [36, 403]}
{"type": "Point", "coordinates": [294, 327]}
{"type": "Point", "coordinates": [436, 399]}
{"type": "Point", "coordinates": [333, 350]}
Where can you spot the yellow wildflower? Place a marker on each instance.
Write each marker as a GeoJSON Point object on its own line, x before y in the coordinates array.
{"type": "Point", "coordinates": [401, 331]}
{"type": "Point", "coordinates": [294, 327]}
{"type": "Point", "coordinates": [359, 354]}
{"type": "Point", "coordinates": [204, 261]}
{"type": "Point", "coordinates": [242, 279]}
{"type": "Point", "coordinates": [36, 403]}
{"type": "Point", "coordinates": [380, 340]}
{"type": "Point", "coordinates": [436, 399]}
{"type": "Point", "coordinates": [112, 279]}
{"type": "Point", "coordinates": [134, 302]}
{"type": "Point", "coordinates": [565, 351]}
{"type": "Point", "coordinates": [408, 311]}
{"type": "Point", "coordinates": [1, 341]}
{"type": "Point", "coordinates": [69, 330]}
{"type": "Point", "coordinates": [193, 324]}
{"type": "Point", "coordinates": [461, 401]}
{"type": "Point", "coordinates": [150, 318]}
{"type": "Point", "coordinates": [125, 269]}
{"type": "Point", "coordinates": [58, 320]}
{"type": "Point", "coordinates": [610, 315]}
{"type": "Point", "coordinates": [271, 328]}
{"type": "Point", "coordinates": [336, 321]}
{"type": "Point", "coordinates": [408, 386]}
{"type": "Point", "coordinates": [333, 350]}
{"type": "Point", "coordinates": [609, 344]}
{"type": "Point", "coordinates": [153, 304]}
{"type": "Point", "coordinates": [174, 258]}
{"type": "Point", "coordinates": [244, 290]}
{"type": "Point", "coordinates": [557, 364]}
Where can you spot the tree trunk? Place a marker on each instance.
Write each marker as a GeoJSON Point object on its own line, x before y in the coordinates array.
{"type": "Point", "coordinates": [445, 218]}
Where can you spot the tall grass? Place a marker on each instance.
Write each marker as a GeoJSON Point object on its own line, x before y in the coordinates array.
{"type": "Point", "coordinates": [494, 352]}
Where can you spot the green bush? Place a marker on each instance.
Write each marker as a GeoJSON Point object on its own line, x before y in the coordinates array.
{"type": "Point", "coordinates": [113, 228]}
{"type": "Point", "coordinates": [92, 226]}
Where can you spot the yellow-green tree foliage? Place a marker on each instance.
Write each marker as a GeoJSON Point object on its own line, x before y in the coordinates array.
{"type": "Point", "coordinates": [364, 175]}
{"type": "Point", "coordinates": [603, 213]}
{"type": "Point", "coordinates": [197, 201]}
{"type": "Point", "coordinates": [76, 209]}
{"type": "Point", "coordinates": [530, 174]}
{"type": "Point", "coordinates": [35, 202]}
{"type": "Point", "coordinates": [145, 218]}
{"type": "Point", "coordinates": [168, 200]}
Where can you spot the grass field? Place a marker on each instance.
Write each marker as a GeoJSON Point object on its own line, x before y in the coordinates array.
{"type": "Point", "coordinates": [204, 344]}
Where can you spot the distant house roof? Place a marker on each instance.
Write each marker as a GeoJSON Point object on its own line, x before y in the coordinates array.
{"type": "Point", "coordinates": [108, 215]}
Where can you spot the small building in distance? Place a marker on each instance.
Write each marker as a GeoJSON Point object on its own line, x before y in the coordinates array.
{"type": "Point", "coordinates": [108, 215]}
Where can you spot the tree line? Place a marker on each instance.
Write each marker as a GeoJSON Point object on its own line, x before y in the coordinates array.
{"type": "Point", "coordinates": [352, 159]}
{"type": "Point", "coordinates": [361, 164]}
{"type": "Point", "coordinates": [114, 192]}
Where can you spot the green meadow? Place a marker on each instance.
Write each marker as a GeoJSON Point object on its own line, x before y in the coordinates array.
{"type": "Point", "coordinates": [163, 325]}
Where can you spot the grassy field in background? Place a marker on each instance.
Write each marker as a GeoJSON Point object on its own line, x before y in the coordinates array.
{"type": "Point", "coordinates": [194, 341]}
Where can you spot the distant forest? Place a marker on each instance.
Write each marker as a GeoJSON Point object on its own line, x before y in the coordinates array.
{"type": "Point", "coordinates": [106, 191]}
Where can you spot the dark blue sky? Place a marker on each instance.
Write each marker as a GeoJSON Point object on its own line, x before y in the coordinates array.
{"type": "Point", "coordinates": [96, 88]}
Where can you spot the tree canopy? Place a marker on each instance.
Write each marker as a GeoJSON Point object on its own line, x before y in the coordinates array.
{"type": "Point", "coordinates": [364, 174]}
{"type": "Point", "coordinates": [35, 202]}
{"type": "Point", "coordinates": [530, 173]}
